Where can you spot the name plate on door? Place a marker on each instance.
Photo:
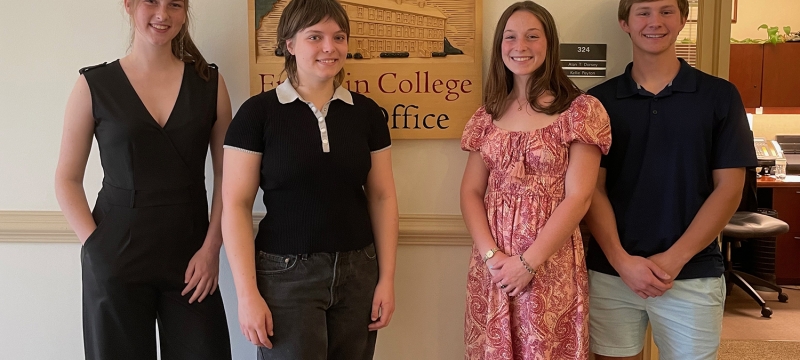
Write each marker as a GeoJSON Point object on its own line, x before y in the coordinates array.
{"type": "Point", "coordinates": [584, 60]}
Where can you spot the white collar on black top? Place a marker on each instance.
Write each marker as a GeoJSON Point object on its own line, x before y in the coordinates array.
{"type": "Point", "coordinates": [287, 94]}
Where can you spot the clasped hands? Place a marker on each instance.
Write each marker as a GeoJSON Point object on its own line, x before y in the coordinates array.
{"type": "Point", "coordinates": [508, 273]}
{"type": "Point", "coordinates": [651, 276]}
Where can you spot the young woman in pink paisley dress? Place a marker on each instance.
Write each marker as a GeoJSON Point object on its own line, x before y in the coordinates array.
{"type": "Point", "coordinates": [535, 148]}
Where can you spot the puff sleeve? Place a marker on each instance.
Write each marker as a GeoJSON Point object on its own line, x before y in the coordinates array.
{"type": "Point", "coordinates": [473, 136]}
{"type": "Point", "coordinates": [589, 123]}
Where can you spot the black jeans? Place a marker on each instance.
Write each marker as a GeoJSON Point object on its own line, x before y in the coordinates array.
{"type": "Point", "coordinates": [320, 303]}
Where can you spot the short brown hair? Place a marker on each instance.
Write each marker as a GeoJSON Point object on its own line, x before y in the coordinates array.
{"type": "Point", "coordinates": [625, 8]}
{"type": "Point", "coordinates": [183, 46]}
{"type": "Point", "coordinates": [300, 14]}
{"type": "Point", "coordinates": [549, 77]}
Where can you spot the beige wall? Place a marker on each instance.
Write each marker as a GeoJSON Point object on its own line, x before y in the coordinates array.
{"type": "Point", "coordinates": [753, 13]}
{"type": "Point", "coordinates": [431, 297]}
{"type": "Point", "coordinates": [767, 126]}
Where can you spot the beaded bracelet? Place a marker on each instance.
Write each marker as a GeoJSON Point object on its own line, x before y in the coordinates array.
{"type": "Point", "coordinates": [527, 267]}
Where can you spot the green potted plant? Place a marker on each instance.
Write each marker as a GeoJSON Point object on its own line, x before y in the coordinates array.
{"type": "Point", "coordinates": [772, 33]}
{"type": "Point", "coordinates": [773, 36]}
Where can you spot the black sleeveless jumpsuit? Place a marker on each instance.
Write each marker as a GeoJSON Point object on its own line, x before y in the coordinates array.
{"type": "Point", "coordinates": [152, 216]}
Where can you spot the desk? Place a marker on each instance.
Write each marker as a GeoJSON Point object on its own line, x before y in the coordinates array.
{"type": "Point", "coordinates": [784, 197]}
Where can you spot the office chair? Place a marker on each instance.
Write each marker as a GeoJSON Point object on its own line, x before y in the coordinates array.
{"type": "Point", "coordinates": [749, 224]}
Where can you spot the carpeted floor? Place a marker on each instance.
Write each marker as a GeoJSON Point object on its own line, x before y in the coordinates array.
{"type": "Point", "coordinates": [759, 350]}
{"type": "Point", "coordinates": [742, 319]}
{"type": "Point", "coordinates": [746, 335]}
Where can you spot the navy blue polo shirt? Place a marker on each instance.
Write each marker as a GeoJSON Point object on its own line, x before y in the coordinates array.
{"type": "Point", "coordinates": [660, 163]}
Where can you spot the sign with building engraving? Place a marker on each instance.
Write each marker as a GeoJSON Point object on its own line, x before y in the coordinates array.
{"type": "Point", "coordinates": [584, 60]}
{"type": "Point", "coordinates": [420, 60]}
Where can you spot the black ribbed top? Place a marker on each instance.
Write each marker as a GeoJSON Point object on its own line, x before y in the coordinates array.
{"type": "Point", "coordinates": [315, 200]}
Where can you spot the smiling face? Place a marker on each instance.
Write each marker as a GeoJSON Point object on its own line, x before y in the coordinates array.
{"type": "Point", "coordinates": [156, 21]}
{"type": "Point", "coordinates": [320, 51]}
{"type": "Point", "coordinates": [654, 26]}
{"type": "Point", "coordinates": [524, 45]}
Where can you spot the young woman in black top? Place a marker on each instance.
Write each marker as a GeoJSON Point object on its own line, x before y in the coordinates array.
{"type": "Point", "coordinates": [313, 286]}
{"type": "Point", "coordinates": [150, 253]}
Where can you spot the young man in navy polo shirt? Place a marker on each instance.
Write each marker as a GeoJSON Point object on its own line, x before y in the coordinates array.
{"type": "Point", "coordinates": [670, 183]}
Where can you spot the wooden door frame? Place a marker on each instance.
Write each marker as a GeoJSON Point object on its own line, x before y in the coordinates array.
{"type": "Point", "coordinates": [713, 37]}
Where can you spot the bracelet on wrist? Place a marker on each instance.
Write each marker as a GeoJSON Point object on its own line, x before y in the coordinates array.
{"type": "Point", "coordinates": [527, 267]}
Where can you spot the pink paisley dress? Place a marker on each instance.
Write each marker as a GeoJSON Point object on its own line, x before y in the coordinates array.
{"type": "Point", "coordinates": [549, 319]}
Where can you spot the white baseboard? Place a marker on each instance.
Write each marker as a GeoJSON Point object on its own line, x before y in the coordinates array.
{"type": "Point", "coordinates": [52, 227]}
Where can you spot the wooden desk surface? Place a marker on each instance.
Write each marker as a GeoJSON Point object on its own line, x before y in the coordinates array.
{"type": "Point", "coordinates": [771, 182]}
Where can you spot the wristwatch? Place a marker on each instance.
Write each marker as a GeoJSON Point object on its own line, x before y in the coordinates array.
{"type": "Point", "coordinates": [490, 254]}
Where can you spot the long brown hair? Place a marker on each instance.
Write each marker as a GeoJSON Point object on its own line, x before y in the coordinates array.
{"type": "Point", "coordinates": [183, 47]}
{"type": "Point", "coordinates": [300, 14]}
{"type": "Point", "coordinates": [549, 77]}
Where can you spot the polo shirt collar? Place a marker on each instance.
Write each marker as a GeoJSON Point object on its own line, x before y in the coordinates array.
{"type": "Point", "coordinates": [287, 94]}
{"type": "Point", "coordinates": [685, 81]}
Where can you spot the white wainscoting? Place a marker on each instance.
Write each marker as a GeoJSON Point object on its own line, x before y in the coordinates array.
{"type": "Point", "coordinates": [52, 227]}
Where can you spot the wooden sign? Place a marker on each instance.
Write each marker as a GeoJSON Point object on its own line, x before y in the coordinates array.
{"type": "Point", "coordinates": [584, 60]}
{"type": "Point", "coordinates": [420, 60]}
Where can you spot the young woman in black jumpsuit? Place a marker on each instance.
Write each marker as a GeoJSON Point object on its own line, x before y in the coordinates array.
{"type": "Point", "coordinates": [150, 253]}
